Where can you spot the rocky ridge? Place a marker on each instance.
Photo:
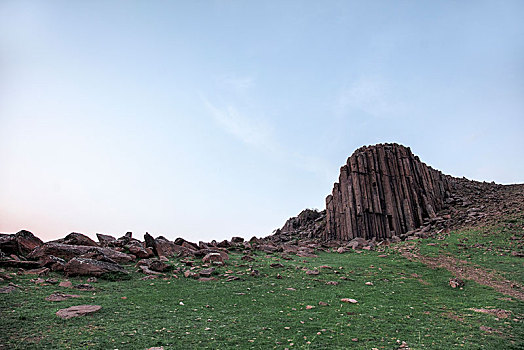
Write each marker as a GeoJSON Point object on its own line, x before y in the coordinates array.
{"type": "Point", "coordinates": [434, 205]}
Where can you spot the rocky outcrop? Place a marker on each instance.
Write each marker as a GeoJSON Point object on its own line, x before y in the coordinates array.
{"type": "Point", "coordinates": [383, 191]}
{"type": "Point", "coordinates": [21, 243]}
{"type": "Point", "coordinates": [75, 238]}
{"type": "Point", "coordinates": [66, 251]}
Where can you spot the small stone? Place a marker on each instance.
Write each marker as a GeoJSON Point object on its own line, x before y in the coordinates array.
{"type": "Point", "coordinates": [456, 283]}
{"type": "Point", "coordinates": [84, 286]}
{"type": "Point", "coordinates": [61, 297]}
{"type": "Point", "coordinates": [66, 284]}
{"type": "Point", "coordinates": [348, 300]}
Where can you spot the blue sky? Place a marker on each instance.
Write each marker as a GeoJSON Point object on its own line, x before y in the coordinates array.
{"type": "Point", "coordinates": [208, 119]}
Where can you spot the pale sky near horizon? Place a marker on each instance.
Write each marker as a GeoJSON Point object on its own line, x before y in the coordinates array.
{"type": "Point", "coordinates": [212, 119]}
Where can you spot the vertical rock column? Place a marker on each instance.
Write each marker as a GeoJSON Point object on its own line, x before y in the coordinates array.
{"type": "Point", "coordinates": [383, 190]}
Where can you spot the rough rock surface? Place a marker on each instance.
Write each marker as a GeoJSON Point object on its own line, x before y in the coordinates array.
{"type": "Point", "coordinates": [75, 311]}
{"type": "Point", "coordinates": [383, 191]}
{"type": "Point", "coordinates": [21, 243]}
{"type": "Point", "coordinates": [75, 238]}
{"type": "Point", "coordinates": [66, 251]}
{"type": "Point", "coordinates": [90, 267]}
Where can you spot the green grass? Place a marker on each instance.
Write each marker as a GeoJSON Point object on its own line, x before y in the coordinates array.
{"type": "Point", "coordinates": [407, 302]}
{"type": "Point", "coordinates": [489, 247]}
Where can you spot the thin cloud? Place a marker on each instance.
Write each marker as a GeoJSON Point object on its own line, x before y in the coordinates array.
{"type": "Point", "coordinates": [252, 131]}
{"type": "Point", "coordinates": [257, 133]}
{"type": "Point", "coordinates": [370, 95]}
{"type": "Point", "coordinates": [238, 84]}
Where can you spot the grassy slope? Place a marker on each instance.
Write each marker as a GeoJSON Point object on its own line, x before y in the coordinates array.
{"type": "Point", "coordinates": [407, 302]}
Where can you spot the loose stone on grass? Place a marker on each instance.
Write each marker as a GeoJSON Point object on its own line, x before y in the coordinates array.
{"type": "Point", "coordinates": [75, 311]}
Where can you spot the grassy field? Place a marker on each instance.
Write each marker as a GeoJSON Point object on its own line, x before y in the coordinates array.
{"type": "Point", "coordinates": [401, 304]}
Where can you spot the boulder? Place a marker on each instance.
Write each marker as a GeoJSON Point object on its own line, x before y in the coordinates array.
{"type": "Point", "coordinates": [155, 265]}
{"type": "Point", "coordinates": [75, 238]}
{"type": "Point", "coordinates": [21, 243]}
{"type": "Point", "coordinates": [67, 252]}
{"type": "Point", "coordinates": [52, 262]}
{"type": "Point", "coordinates": [141, 252]}
{"type": "Point", "coordinates": [23, 264]}
{"type": "Point", "coordinates": [163, 247]}
{"type": "Point", "coordinates": [357, 243]}
{"type": "Point", "coordinates": [213, 257]}
{"type": "Point", "coordinates": [182, 242]}
{"type": "Point", "coordinates": [75, 311]}
{"type": "Point", "coordinates": [90, 267]}
{"type": "Point", "coordinates": [105, 239]}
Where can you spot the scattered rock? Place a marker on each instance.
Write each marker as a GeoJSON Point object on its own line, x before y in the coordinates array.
{"type": "Point", "coordinates": [213, 257]}
{"type": "Point", "coordinates": [85, 286]}
{"type": "Point", "coordinates": [66, 284]}
{"type": "Point", "coordinates": [348, 300]}
{"type": "Point", "coordinates": [61, 296]}
{"type": "Point", "coordinates": [456, 283]}
{"type": "Point", "coordinates": [75, 311]}
{"type": "Point", "coordinates": [8, 289]}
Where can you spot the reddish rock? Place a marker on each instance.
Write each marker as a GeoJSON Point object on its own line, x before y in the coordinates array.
{"type": "Point", "coordinates": [213, 257]}
{"type": "Point", "coordinates": [20, 243]}
{"type": "Point", "coordinates": [247, 258]}
{"type": "Point", "coordinates": [456, 283]}
{"type": "Point", "coordinates": [66, 284]}
{"type": "Point", "coordinates": [90, 267]}
{"type": "Point", "coordinates": [164, 247]}
{"type": "Point", "coordinates": [8, 289]}
{"type": "Point", "coordinates": [84, 286]}
{"type": "Point", "coordinates": [312, 272]}
{"type": "Point", "coordinates": [75, 238]}
{"type": "Point", "coordinates": [43, 271]}
{"type": "Point", "coordinates": [267, 248]}
{"type": "Point", "coordinates": [190, 274]}
{"type": "Point", "coordinates": [67, 252]}
{"type": "Point", "coordinates": [105, 240]}
{"type": "Point", "coordinates": [23, 264]}
{"type": "Point", "coordinates": [75, 311]}
{"type": "Point", "coordinates": [155, 265]}
{"type": "Point", "coordinates": [141, 252]}
{"type": "Point", "coordinates": [207, 272]}
{"type": "Point", "coordinates": [61, 296]}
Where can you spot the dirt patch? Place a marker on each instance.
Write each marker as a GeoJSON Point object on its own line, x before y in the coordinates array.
{"type": "Point", "coordinates": [465, 270]}
{"type": "Point", "coordinates": [499, 313]}
{"type": "Point", "coordinates": [453, 316]}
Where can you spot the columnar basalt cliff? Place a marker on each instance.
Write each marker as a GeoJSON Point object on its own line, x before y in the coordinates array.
{"type": "Point", "coordinates": [383, 190]}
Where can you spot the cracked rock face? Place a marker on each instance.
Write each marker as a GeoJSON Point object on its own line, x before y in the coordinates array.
{"type": "Point", "coordinates": [383, 190]}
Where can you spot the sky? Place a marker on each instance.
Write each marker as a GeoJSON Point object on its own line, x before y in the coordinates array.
{"type": "Point", "coordinates": [212, 119]}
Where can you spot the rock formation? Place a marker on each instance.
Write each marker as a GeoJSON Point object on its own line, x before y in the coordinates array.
{"type": "Point", "coordinates": [383, 191]}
